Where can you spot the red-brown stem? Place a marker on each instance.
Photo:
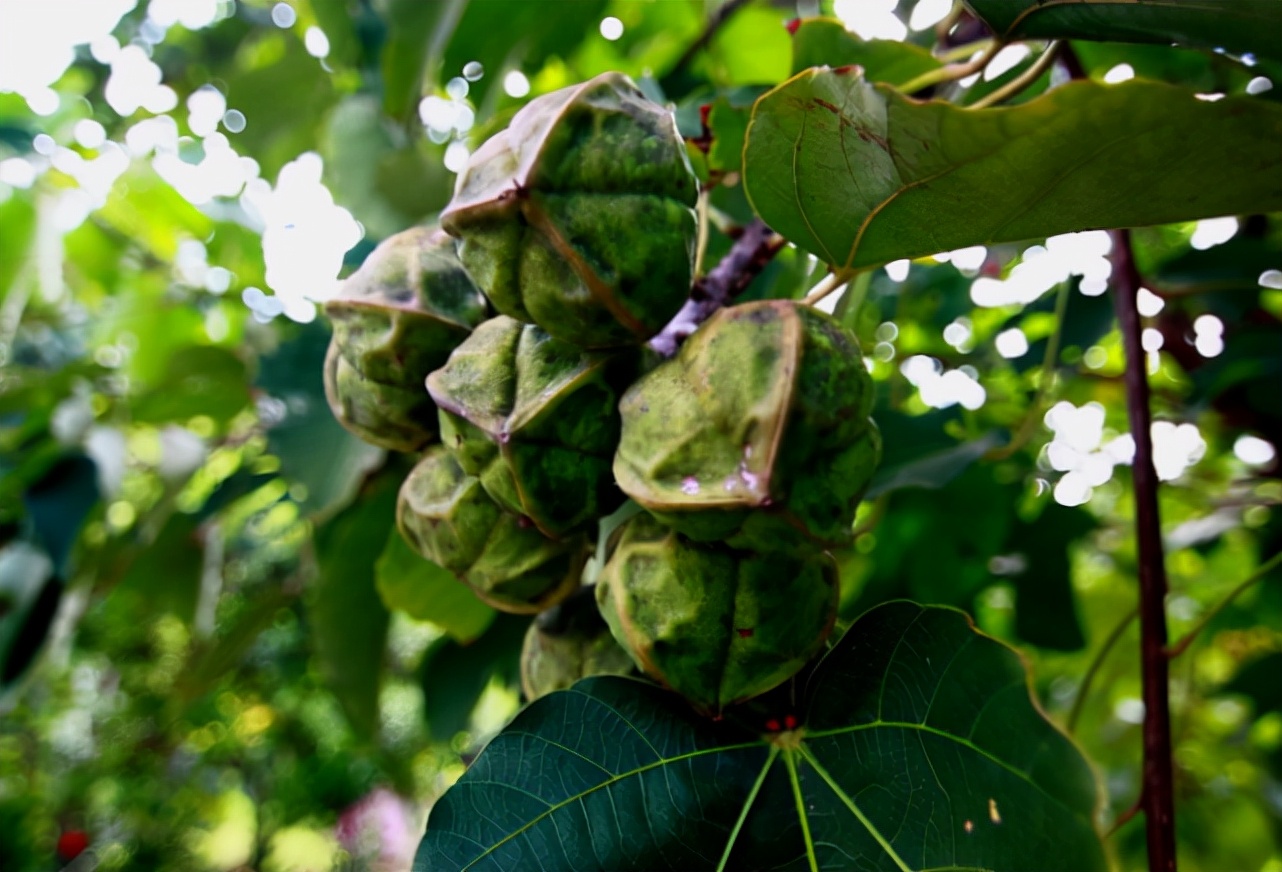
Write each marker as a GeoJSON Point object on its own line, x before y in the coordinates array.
{"type": "Point", "coordinates": [1157, 795]}
{"type": "Point", "coordinates": [756, 245]}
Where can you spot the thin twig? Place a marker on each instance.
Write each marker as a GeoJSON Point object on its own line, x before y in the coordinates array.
{"type": "Point", "coordinates": [756, 246]}
{"type": "Point", "coordinates": [1264, 569]}
{"type": "Point", "coordinates": [1097, 662]}
{"type": "Point", "coordinates": [701, 242]}
{"type": "Point", "coordinates": [831, 284]}
{"type": "Point", "coordinates": [847, 309]}
{"type": "Point", "coordinates": [1046, 379]}
{"type": "Point", "coordinates": [1022, 81]}
{"type": "Point", "coordinates": [715, 23]}
{"type": "Point", "coordinates": [1124, 817]}
{"type": "Point", "coordinates": [952, 72]}
{"type": "Point", "coordinates": [1158, 793]}
{"type": "Point", "coordinates": [964, 52]}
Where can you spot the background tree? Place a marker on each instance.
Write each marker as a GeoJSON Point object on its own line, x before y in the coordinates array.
{"type": "Point", "coordinates": [215, 651]}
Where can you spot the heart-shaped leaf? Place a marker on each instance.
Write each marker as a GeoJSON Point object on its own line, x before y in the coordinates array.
{"type": "Point", "coordinates": [1236, 25]}
{"type": "Point", "coordinates": [918, 748]}
{"type": "Point", "coordinates": [826, 42]}
{"type": "Point", "coordinates": [861, 175]}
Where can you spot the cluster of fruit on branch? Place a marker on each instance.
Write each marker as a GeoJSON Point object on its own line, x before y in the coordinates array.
{"type": "Point", "coordinates": [747, 451]}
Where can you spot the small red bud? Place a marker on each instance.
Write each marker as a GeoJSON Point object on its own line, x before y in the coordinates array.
{"type": "Point", "coordinates": [790, 722]}
{"type": "Point", "coordinates": [71, 844]}
{"type": "Point", "coordinates": [772, 725]}
{"type": "Point", "coordinates": [792, 26]}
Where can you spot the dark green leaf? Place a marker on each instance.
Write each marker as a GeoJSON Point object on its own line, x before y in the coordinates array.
{"type": "Point", "coordinates": [1237, 25]}
{"type": "Point", "coordinates": [933, 470]}
{"type": "Point", "coordinates": [29, 595]}
{"type": "Point", "coordinates": [313, 448]}
{"type": "Point", "coordinates": [505, 34]}
{"type": "Point", "coordinates": [955, 567]}
{"type": "Point", "coordinates": [198, 380]}
{"type": "Point", "coordinates": [455, 674]}
{"type": "Point", "coordinates": [427, 592]}
{"type": "Point", "coordinates": [1045, 607]}
{"type": "Point", "coordinates": [209, 662]}
{"type": "Point", "coordinates": [282, 95]}
{"type": "Point", "coordinates": [413, 28]}
{"type": "Point", "coordinates": [17, 227]}
{"type": "Point", "coordinates": [750, 48]}
{"type": "Point", "coordinates": [167, 574]}
{"type": "Point", "coordinates": [919, 748]}
{"type": "Point", "coordinates": [58, 504]}
{"type": "Point", "coordinates": [861, 175]}
{"type": "Point", "coordinates": [821, 42]}
{"type": "Point", "coordinates": [349, 619]}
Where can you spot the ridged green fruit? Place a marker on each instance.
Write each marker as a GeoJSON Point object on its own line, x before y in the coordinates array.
{"type": "Point", "coordinates": [446, 516]}
{"type": "Point", "coordinates": [716, 625]}
{"type": "Point", "coordinates": [396, 319]}
{"type": "Point", "coordinates": [579, 216]}
{"type": "Point", "coordinates": [536, 420]}
{"type": "Point", "coordinates": [568, 642]}
{"type": "Point", "coordinates": [757, 433]}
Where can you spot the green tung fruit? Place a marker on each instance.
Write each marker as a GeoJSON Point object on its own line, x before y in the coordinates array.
{"type": "Point", "coordinates": [717, 625]}
{"type": "Point", "coordinates": [567, 642]}
{"type": "Point", "coordinates": [578, 217]}
{"type": "Point", "coordinates": [446, 516]}
{"type": "Point", "coordinates": [757, 433]}
{"type": "Point", "coordinates": [536, 420]}
{"type": "Point", "coordinates": [396, 319]}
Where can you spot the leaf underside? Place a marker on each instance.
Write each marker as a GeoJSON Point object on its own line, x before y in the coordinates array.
{"type": "Point", "coordinates": [860, 175]}
{"type": "Point", "coordinates": [920, 748]}
{"type": "Point", "coordinates": [1234, 25]}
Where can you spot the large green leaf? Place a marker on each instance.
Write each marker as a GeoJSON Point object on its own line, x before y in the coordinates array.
{"type": "Point", "coordinates": [349, 620]}
{"type": "Point", "coordinates": [29, 595]}
{"type": "Point", "coordinates": [58, 505]}
{"type": "Point", "coordinates": [919, 748]}
{"type": "Point", "coordinates": [861, 175]}
{"type": "Point", "coordinates": [826, 42]}
{"type": "Point", "coordinates": [502, 34]}
{"type": "Point", "coordinates": [1237, 25]}
{"type": "Point", "coordinates": [313, 448]}
{"type": "Point", "coordinates": [414, 30]}
{"type": "Point", "coordinates": [455, 674]}
{"type": "Point", "coordinates": [427, 592]}
{"type": "Point", "coordinates": [198, 380]}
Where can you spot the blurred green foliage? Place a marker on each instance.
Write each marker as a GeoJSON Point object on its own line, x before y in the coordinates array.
{"type": "Point", "coordinates": [212, 656]}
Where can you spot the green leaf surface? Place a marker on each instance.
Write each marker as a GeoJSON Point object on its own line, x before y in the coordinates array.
{"type": "Point", "coordinates": [18, 228]}
{"type": "Point", "coordinates": [455, 674]}
{"type": "Point", "coordinates": [313, 448]}
{"type": "Point", "coordinates": [1046, 611]}
{"type": "Point", "coordinates": [198, 380]}
{"type": "Point", "coordinates": [349, 619]}
{"type": "Point", "coordinates": [861, 175]}
{"type": "Point", "coordinates": [426, 592]}
{"type": "Point", "coordinates": [412, 32]}
{"type": "Point", "coordinates": [1236, 25]}
{"type": "Point", "coordinates": [514, 34]}
{"type": "Point", "coordinates": [750, 48]}
{"type": "Point", "coordinates": [29, 595]}
{"type": "Point", "coordinates": [919, 748]}
{"type": "Point", "coordinates": [166, 576]}
{"type": "Point", "coordinates": [821, 42]}
{"type": "Point", "coordinates": [931, 470]}
{"type": "Point", "coordinates": [58, 504]}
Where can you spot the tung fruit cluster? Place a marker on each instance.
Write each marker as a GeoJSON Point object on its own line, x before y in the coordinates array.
{"type": "Point", "coordinates": [748, 451]}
